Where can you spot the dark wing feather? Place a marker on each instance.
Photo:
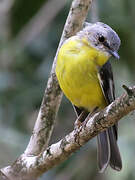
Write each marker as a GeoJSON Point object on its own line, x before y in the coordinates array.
{"type": "Point", "coordinates": [107, 84]}
{"type": "Point", "coordinates": [77, 110]}
{"type": "Point", "coordinates": [108, 88]}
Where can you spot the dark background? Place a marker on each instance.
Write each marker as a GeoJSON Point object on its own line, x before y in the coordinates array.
{"type": "Point", "coordinates": [29, 36]}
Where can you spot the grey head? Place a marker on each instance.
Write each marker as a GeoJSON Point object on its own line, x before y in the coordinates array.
{"type": "Point", "coordinates": [102, 37]}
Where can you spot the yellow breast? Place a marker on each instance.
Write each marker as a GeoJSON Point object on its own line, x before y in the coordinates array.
{"type": "Point", "coordinates": [77, 73]}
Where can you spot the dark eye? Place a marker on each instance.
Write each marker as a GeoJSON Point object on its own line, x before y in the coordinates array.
{"type": "Point", "coordinates": [101, 38]}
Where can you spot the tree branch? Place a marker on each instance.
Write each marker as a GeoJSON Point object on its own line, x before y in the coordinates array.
{"type": "Point", "coordinates": [50, 104]}
{"type": "Point", "coordinates": [33, 166]}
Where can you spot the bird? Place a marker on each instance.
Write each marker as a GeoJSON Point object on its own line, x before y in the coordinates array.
{"type": "Point", "coordinates": [84, 73]}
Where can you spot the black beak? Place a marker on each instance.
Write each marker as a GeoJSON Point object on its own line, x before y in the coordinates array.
{"type": "Point", "coordinates": [110, 51]}
{"type": "Point", "coordinates": [114, 54]}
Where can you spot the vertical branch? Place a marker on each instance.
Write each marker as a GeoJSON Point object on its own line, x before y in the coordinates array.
{"type": "Point", "coordinates": [5, 7]}
{"type": "Point", "coordinates": [50, 103]}
{"type": "Point", "coordinates": [53, 95]}
{"type": "Point", "coordinates": [94, 12]}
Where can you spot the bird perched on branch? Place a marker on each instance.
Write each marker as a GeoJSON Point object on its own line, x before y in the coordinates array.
{"type": "Point", "coordinates": [85, 76]}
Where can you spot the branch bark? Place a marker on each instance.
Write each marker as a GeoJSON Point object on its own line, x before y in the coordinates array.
{"type": "Point", "coordinates": [33, 166]}
{"type": "Point", "coordinates": [51, 100]}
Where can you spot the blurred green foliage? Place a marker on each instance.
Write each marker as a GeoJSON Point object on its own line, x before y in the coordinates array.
{"type": "Point", "coordinates": [22, 12]}
{"type": "Point", "coordinates": [24, 71]}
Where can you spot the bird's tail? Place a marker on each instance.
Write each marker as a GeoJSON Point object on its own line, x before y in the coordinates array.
{"type": "Point", "coordinates": [108, 151]}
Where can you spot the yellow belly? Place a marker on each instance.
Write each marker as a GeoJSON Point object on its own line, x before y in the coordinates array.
{"type": "Point", "coordinates": [76, 71]}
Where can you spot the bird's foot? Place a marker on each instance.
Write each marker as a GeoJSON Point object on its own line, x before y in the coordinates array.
{"type": "Point", "coordinates": [80, 119]}
{"type": "Point", "coordinates": [95, 110]}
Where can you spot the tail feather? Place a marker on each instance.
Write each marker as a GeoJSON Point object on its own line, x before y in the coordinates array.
{"type": "Point", "coordinates": [108, 151]}
{"type": "Point", "coordinates": [115, 158]}
{"type": "Point", "coordinates": [103, 151]}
